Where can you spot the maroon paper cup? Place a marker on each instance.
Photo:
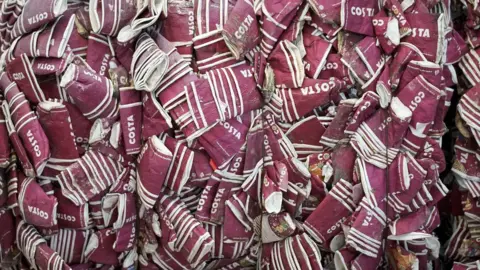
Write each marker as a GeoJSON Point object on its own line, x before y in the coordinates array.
{"type": "Point", "coordinates": [35, 15]}
{"type": "Point", "coordinates": [227, 137]}
{"type": "Point", "coordinates": [36, 206]}
{"type": "Point", "coordinates": [338, 198]}
{"type": "Point", "coordinates": [287, 66]}
{"type": "Point", "coordinates": [430, 40]}
{"type": "Point", "coordinates": [148, 55]}
{"type": "Point", "coordinates": [126, 238]}
{"type": "Point", "coordinates": [99, 53]}
{"type": "Point", "coordinates": [364, 108]}
{"type": "Point", "coordinates": [21, 72]}
{"type": "Point", "coordinates": [19, 150]}
{"type": "Point", "coordinates": [100, 247]}
{"type": "Point", "coordinates": [99, 101]}
{"type": "Point", "coordinates": [123, 205]}
{"type": "Point", "coordinates": [206, 198]}
{"type": "Point", "coordinates": [335, 131]}
{"type": "Point", "coordinates": [70, 245]}
{"type": "Point", "coordinates": [312, 94]}
{"type": "Point", "coordinates": [356, 16]}
{"type": "Point", "coordinates": [95, 171]}
{"type": "Point", "coordinates": [179, 27]}
{"type": "Point", "coordinates": [317, 51]}
{"type": "Point", "coordinates": [108, 17]}
{"type": "Point", "coordinates": [131, 119]}
{"type": "Point", "coordinates": [70, 216]}
{"type": "Point", "coordinates": [244, 36]}
{"type": "Point", "coordinates": [4, 142]}
{"type": "Point", "coordinates": [153, 162]}
{"type": "Point", "coordinates": [55, 120]}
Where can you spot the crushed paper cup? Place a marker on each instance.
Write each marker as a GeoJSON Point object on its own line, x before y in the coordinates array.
{"type": "Point", "coordinates": [153, 161]}
{"type": "Point", "coordinates": [119, 206]}
{"type": "Point", "coordinates": [367, 230]}
{"type": "Point", "coordinates": [276, 227]}
{"type": "Point", "coordinates": [317, 50]}
{"type": "Point", "coordinates": [34, 15]}
{"type": "Point", "coordinates": [99, 53]}
{"type": "Point", "coordinates": [125, 238]}
{"type": "Point", "coordinates": [427, 34]}
{"type": "Point", "coordinates": [335, 131]}
{"type": "Point", "coordinates": [99, 248]}
{"type": "Point", "coordinates": [312, 94]}
{"type": "Point", "coordinates": [228, 186]}
{"type": "Point", "coordinates": [241, 31]}
{"type": "Point", "coordinates": [339, 198]}
{"type": "Point", "coordinates": [73, 251]}
{"type": "Point", "coordinates": [148, 55]}
{"type": "Point", "coordinates": [178, 27]}
{"type": "Point", "coordinates": [21, 72]}
{"type": "Point", "coordinates": [56, 122]}
{"type": "Point", "coordinates": [148, 13]}
{"type": "Point", "coordinates": [181, 165]}
{"type": "Point", "coordinates": [70, 216]}
{"type": "Point", "coordinates": [155, 118]}
{"type": "Point", "coordinates": [103, 169]}
{"type": "Point", "coordinates": [224, 140]}
{"type": "Point", "coordinates": [286, 62]}
{"type": "Point", "coordinates": [275, 20]}
{"type": "Point", "coordinates": [4, 142]}
{"type": "Point", "coordinates": [108, 17]}
{"type": "Point", "coordinates": [356, 16]}
{"type": "Point", "coordinates": [99, 101]}
{"type": "Point", "coordinates": [39, 210]}
{"type": "Point", "coordinates": [130, 111]}
{"type": "Point", "coordinates": [26, 127]}
{"type": "Point", "coordinates": [389, 125]}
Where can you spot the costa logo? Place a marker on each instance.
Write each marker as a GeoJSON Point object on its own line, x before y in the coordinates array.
{"type": "Point", "coordinates": [361, 11]}
{"type": "Point", "coordinates": [93, 76]}
{"type": "Point", "coordinates": [384, 124]}
{"type": "Point", "coordinates": [191, 22]}
{"type": "Point", "coordinates": [131, 130]}
{"type": "Point", "coordinates": [336, 225]}
{"type": "Point", "coordinates": [38, 212]}
{"type": "Point", "coordinates": [131, 219]}
{"type": "Point", "coordinates": [421, 32]}
{"type": "Point", "coordinates": [330, 66]}
{"type": "Point", "coordinates": [368, 218]}
{"type": "Point", "coordinates": [217, 200]}
{"type": "Point", "coordinates": [231, 130]}
{"type": "Point", "coordinates": [81, 140]}
{"type": "Point", "coordinates": [104, 65]}
{"type": "Point", "coordinates": [34, 143]}
{"type": "Point", "coordinates": [317, 88]}
{"type": "Point", "coordinates": [244, 27]}
{"type": "Point", "coordinates": [18, 76]}
{"type": "Point", "coordinates": [37, 18]}
{"type": "Point", "coordinates": [266, 144]}
{"type": "Point", "coordinates": [132, 238]}
{"type": "Point", "coordinates": [44, 66]}
{"type": "Point", "coordinates": [378, 22]}
{"type": "Point", "coordinates": [66, 217]}
{"type": "Point", "coordinates": [416, 100]}
{"type": "Point", "coordinates": [203, 197]}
